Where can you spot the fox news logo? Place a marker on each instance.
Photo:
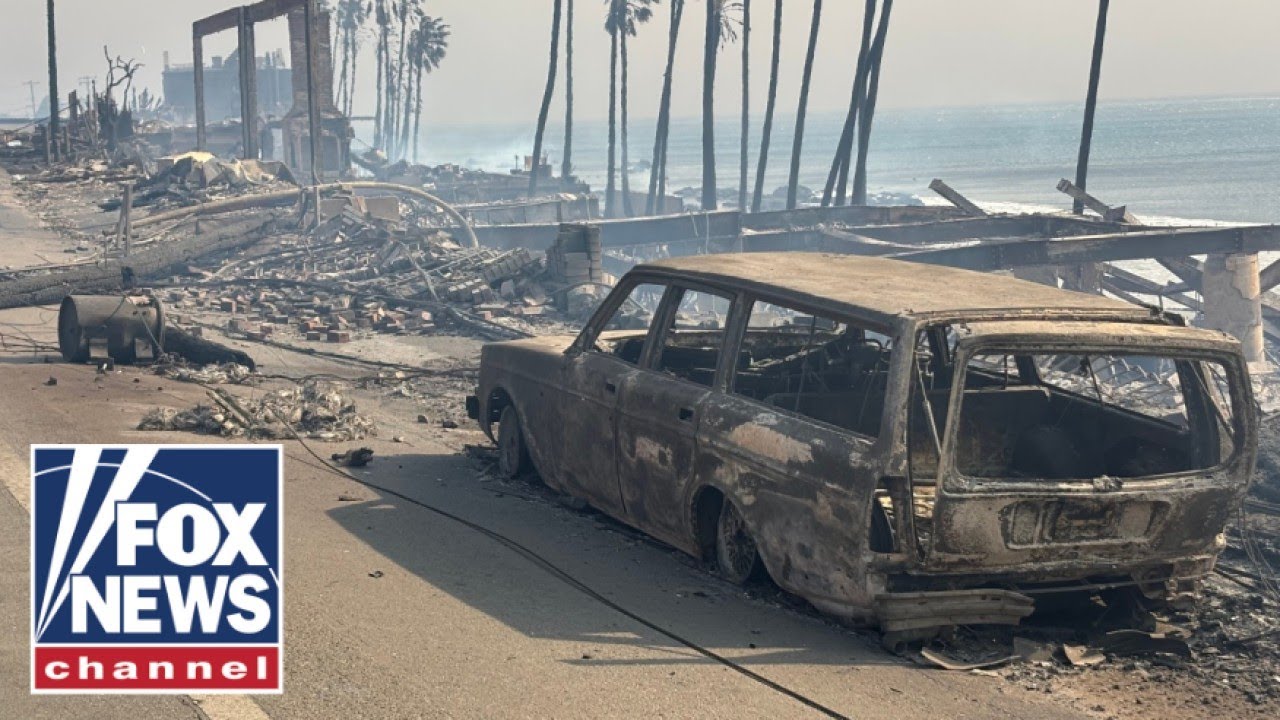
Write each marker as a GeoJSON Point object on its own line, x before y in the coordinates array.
{"type": "Point", "coordinates": [156, 569]}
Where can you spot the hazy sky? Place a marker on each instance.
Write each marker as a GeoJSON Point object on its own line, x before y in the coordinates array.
{"type": "Point", "coordinates": [939, 52]}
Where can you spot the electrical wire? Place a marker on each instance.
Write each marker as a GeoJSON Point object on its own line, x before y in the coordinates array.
{"type": "Point", "coordinates": [568, 579]}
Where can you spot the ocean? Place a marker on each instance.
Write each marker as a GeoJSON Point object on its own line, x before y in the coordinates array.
{"type": "Point", "coordinates": [1167, 160]}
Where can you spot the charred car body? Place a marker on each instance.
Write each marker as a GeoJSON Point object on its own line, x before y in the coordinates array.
{"type": "Point", "coordinates": [903, 444]}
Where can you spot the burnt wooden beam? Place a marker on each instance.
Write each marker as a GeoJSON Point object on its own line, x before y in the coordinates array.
{"type": "Point", "coordinates": [1118, 214]}
{"type": "Point", "coordinates": [1104, 248]}
{"type": "Point", "coordinates": [955, 198]}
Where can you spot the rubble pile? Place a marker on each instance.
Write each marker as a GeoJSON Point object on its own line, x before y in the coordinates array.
{"type": "Point", "coordinates": [371, 266]}
{"type": "Point", "coordinates": [313, 410]}
{"type": "Point", "coordinates": [198, 177]}
{"type": "Point", "coordinates": [211, 374]}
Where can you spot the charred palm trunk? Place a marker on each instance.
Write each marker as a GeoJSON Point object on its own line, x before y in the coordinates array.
{"type": "Point", "coordinates": [1091, 102]}
{"type": "Point", "coordinates": [710, 49]}
{"type": "Point", "coordinates": [838, 178]}
{"type": "Point", "coordinates": [610, 192]}
{"type": "Point", "coordinates": [868, 112]}
{"type": "Point", "coordinates": [547, 93]}
{"type": "Point", "coordinates": [745, 151]}
{"type": "Point", "coordinates": [417, 115]}
{"type": "Point", "coordinates": [797, 145]}
{"type": "Point", "coordinates": [657, 171]}
{"type": "Point", "coordinates": [627, 210]}
{"type": "Point", "coordinates": [771, 104]}
{"type": "Point", "coordinates": [566, 167]}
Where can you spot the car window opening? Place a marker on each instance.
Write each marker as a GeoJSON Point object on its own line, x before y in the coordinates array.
{"type": "Point", "coordinates": [818, 367]}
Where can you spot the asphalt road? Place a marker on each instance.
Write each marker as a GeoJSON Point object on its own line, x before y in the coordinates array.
{"type": "Point", "coordinates": [393, 611]}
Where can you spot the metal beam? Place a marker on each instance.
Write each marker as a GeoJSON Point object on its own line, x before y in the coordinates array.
{"type": "Point", "coordinates": [1104, 248]}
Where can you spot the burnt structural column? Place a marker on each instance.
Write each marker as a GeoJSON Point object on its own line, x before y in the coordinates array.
{"type": "Point", "coordinates": [1091, 102]}
{"type": "Point", "coordinates": [248, 86]}
{"type": "Point", "coordinates": [197, 57]}
{"type": "Point", "coordinates": [1233, 302]}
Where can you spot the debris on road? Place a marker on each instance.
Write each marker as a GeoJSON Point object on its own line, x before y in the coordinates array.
{"type": "Point", "coordinates": [314, 410]}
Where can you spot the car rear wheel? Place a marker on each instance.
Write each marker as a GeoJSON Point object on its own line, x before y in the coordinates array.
{"type": "Point", "coordinates": [737, 558]}
{"type": "Point", "coordinates": [513, 454]}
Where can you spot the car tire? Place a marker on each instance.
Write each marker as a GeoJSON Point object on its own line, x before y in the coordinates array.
{"type": "Point", "coordinates": [513, 453]}
{"type": "Point", "coordinates": [737, 557]}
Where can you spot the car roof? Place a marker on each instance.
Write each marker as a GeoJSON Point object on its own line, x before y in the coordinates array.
{"type": "Point", "coordinates": [891, 290]}
{"type": "Point", "coordinates": [1141, 337]}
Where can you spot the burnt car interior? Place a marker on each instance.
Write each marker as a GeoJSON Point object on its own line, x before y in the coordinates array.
{"type": "Point", "coordinates": [831, 371]}
{"type": "Point", "coordinates": [1072, 416]}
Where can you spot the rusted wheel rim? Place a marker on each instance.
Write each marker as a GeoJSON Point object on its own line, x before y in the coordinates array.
{"type": "Point", "coordinates": [735, 548]}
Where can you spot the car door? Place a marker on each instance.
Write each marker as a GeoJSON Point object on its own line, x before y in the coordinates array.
{"type": "Point", "coordinates": [660, 407]}
{"type": "Point", "coordinates": [792, 441]}
{"type": "Point", "coordinates": [603, 360]}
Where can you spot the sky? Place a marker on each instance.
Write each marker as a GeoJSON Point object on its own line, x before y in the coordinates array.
{"type": "Point", "coordinates": [938, 53]}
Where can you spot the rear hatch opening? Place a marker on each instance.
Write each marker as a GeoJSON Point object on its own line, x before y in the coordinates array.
{"type": "Point", "coordinates": [1066, 455]}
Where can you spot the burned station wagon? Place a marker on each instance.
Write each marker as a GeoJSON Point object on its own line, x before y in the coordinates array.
{"type": "Point", "coordinates": [911, 445]}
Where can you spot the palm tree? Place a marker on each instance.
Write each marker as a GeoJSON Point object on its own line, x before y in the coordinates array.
{"type": "Point", "coordinates": [746, 104]}
{"type": "Point", "coordinates": [552, 67]}
{"type": "Point", "coordinates": [797, 145]}
{"type": "Point", "coordinates": [621, 22]}
{"type": "Point", "coordinates": [658, 168]}
{"type": "Point", "coordinates": [350, 17]}
{"type": "Point", "coordinates": [429, 51]}
{"type": "Point", "coordinates": [770, 105]}
{"type": "Point", "coordinates": [413, 61]}
{"type": "Point", "coordinates": [868, 112]}
{"type": "Point", "coordinates": [566, 168]}
{"type": "Point", "coordinates": [398, 87]}
{"type": "Point", "coordinates": [720, 30]}
{"type": "Point", "coordinates": [844, 150]}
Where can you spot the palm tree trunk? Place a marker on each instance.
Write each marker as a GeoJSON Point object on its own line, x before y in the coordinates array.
{"type": "Point", "coordinates": [657, 169]}
{"type": "Point", "coordinates": [627, 210]}
{"type": "Point", "coordinates": [868, 112]}
{"type": "Point", "coordinates": [417, 116]}
{"type": "Point", "coordinates": [408, 110]}
{"type": "Point", "coordinates": [566, 168]}
{"type": "Point", "coordinates": [610, 194]}
{"type": "Point", "coordinates": [797, 145]}
{"type": "Point", "coordinates": [770, 105]}
{"type": "Point", "coordinates": [844, 151]}
{"type": "Point", "coordinates": [546, 97]}
{"type": "Point", "coordinates": [746, 105]}
{"type": "Point", "coordinates": [399, 87]}
{"type": "Point", "coordinates": [710, 50]}
{"type": "Point", "coordinates": [1091, 102]}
